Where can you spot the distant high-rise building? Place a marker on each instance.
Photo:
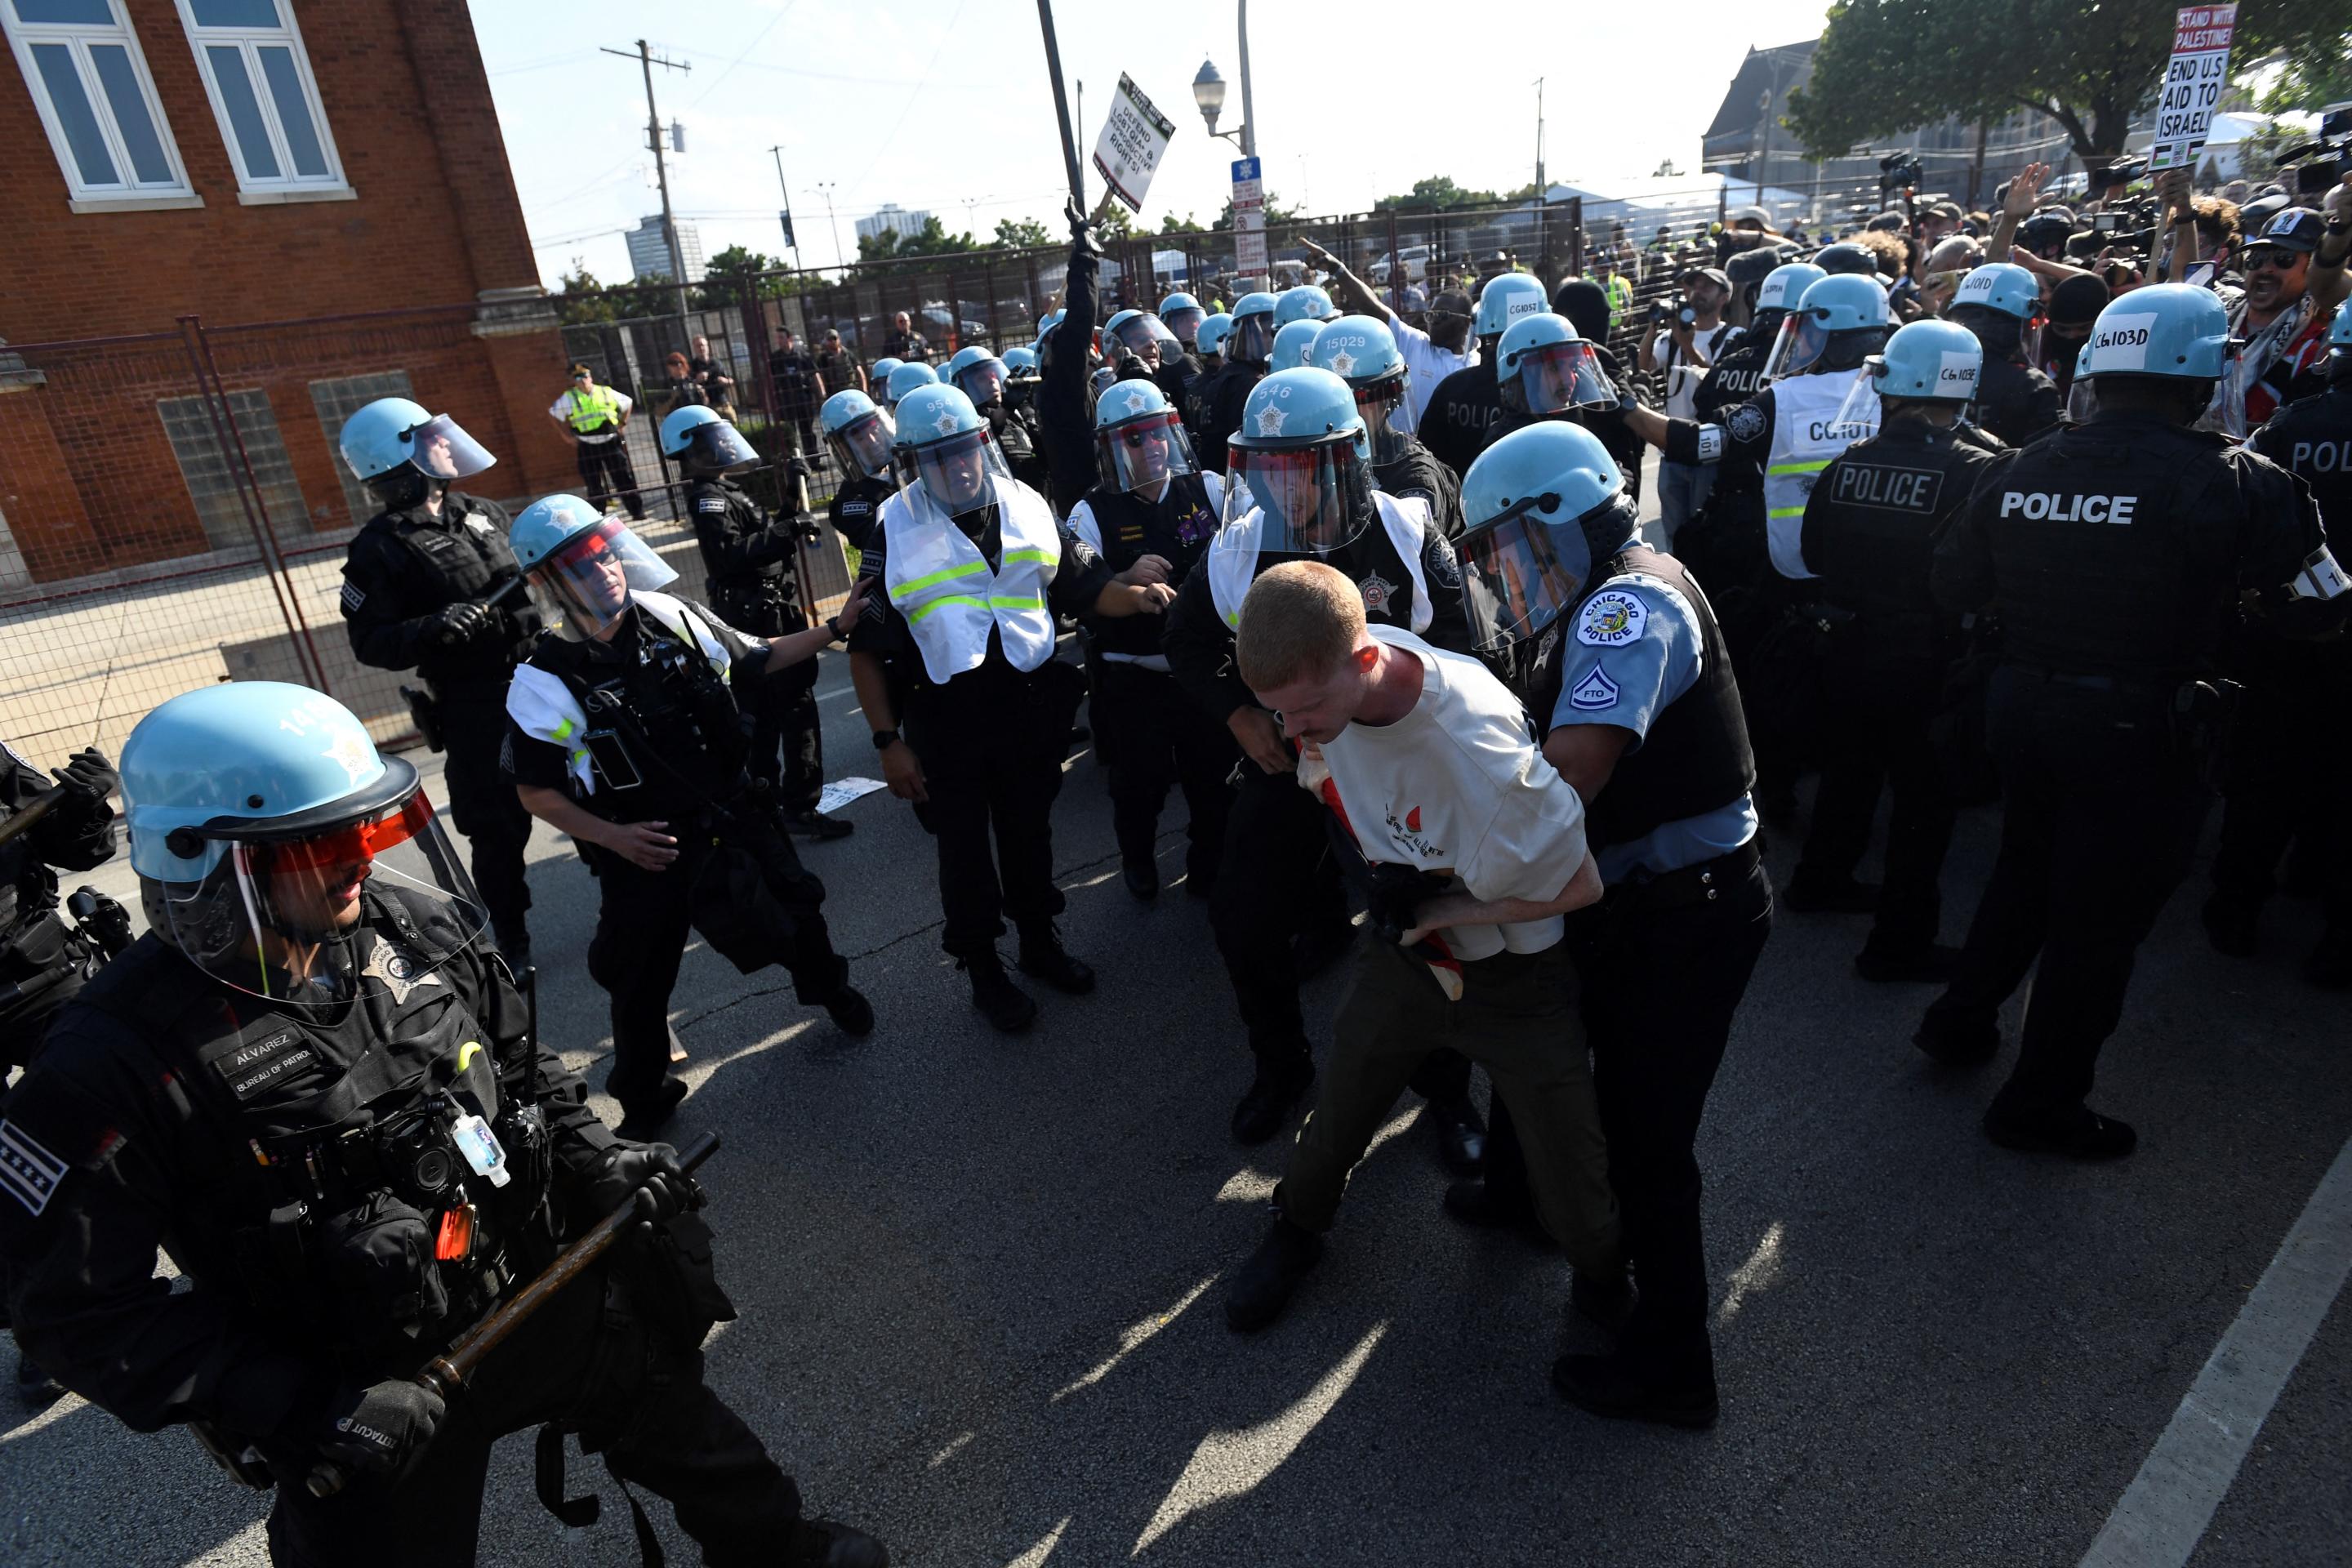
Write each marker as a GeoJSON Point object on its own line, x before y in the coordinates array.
{"type": "Point", "coordinates": [893, 217]}
{"type": "Point", "coordinates": [649, 252]}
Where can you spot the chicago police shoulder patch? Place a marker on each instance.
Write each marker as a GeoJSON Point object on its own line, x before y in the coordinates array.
{"type": "Point", "coordinates": [1611, 618]}
{"type": "Point", "coordinates": [1595, 692]}
{"type": "Point", "coordinates": [1747, 423]}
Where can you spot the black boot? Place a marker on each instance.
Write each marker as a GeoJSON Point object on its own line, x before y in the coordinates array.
{"type": "Point", "coordinates": [1272, 1095]}
{"type": "Point", "coordinates": [822, 1543]}
{"type": "Point", "coordinates": [1007, 1007]}
{"type": "Point", "coordinates": [851, 1013]}
{"type": "Point", "coordinates": [815, 823]}
{"type": "Point", "coordinates": [1474, 1203]}
{"type": "Point", "coordinates": [1262, 1287]}
{"type": "Point", "coordinates": [1613, 1386]}
{"type": "Point", "coordinates": [35, 1387]}
{"type": "Point", "coordinates": [1044, 957]}
{"type": "Point", "coordinates": [1604, 1302]}
{"type": "Point", "coordinates": [1461, 1135]}
{"type": "Point", "coordinates": [1141, 875]}
{"type": "Point", "coordinates": [1957, 1039]}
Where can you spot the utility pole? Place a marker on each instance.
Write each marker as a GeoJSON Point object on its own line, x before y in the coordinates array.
{"type": "Point", "coordinates": [661, 167]}
{"type": "Point", "coordinates": [1541, 186]}
{"type": "Point", "coordinates": [1249, 105]}
{"type": "Point", "coordinates": [832, 222]}
{"type": "Point", "coordinates": [791, 233]}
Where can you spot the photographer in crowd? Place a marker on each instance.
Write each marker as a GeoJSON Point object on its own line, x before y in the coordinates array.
{"type": "Point", "coordinates": [1689, 335]}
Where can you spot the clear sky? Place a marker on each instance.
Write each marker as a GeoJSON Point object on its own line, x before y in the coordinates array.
{"type": "Point", "coordinates": [946, 104]}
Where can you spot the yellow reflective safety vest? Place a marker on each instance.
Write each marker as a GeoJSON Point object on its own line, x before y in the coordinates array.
{"type": "Point", "coordinates": [598, 408]}
{"type": "Point", "coordinates": [1807, 437]}
{"type": "Point", "coordinates": [545, 708]}
{"type": "Point", "coordinates": [937, 579]}
{"type": "Point", "coordinates": [1233, 557]}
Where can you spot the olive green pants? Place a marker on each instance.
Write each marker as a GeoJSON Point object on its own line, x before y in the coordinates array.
{"type": "Point", "coordinates": [1517, 1017]}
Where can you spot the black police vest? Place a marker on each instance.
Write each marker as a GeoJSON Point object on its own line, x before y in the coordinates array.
{"type": "Point", "coordinates": [1416, 471]}
{"type": "Point", "coordinates": [1177, 528]}
{"type": "Point", "coordinates": [2113, 548]}
{"type": "Point", "coordinates": [1462, 416]}
{"type": "Point", "coordinates": [460, 562]}
{"type": "Point", "coordinates": [1874, 522]}
{"type": "Point", "coordinates": [663, 729]}
{"type": "Point", "coordinates": [1695, 759]}
{"type": "Point", "coordinates": [2312, 436]}
{"type": "Point", "coordinates": [1371, 562]}
{"type": "Point", "coordinates": [333, 1166]}
{"type": "Point", "coordinates": [749, 600]}
{"type": "Point", "coordinates": [1736, 379]}
{"type": "Point", "coordinates": [856, 510]}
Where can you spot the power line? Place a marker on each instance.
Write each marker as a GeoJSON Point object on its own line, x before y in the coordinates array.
{"type": "Point", "coordinates": [738, 59]}
{"type": "Point", "coordinates": [921, 85]}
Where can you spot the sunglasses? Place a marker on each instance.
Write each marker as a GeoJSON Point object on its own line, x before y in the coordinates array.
{"type": "Point", "coordinates": [2276, 261]}
{"type": "Point", "coordinates": [1155, 433]}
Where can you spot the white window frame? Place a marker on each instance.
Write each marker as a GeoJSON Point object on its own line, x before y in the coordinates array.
{"type": "Point", "coordinates": [288, 187]}
{"type": "Point", "coordinates": [79, 36]}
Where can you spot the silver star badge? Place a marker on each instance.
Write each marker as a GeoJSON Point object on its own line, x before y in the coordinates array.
{"type": "Point", "coordinates": [396, 972]}
{"type": "Point", "coordinates": [1269, 420]}
{"type": "Point", "coordinates": [1343, 364]}
{"type": "Point", "coordinates": [947, 424]}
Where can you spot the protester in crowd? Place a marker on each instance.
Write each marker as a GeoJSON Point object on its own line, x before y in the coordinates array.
{"type": "Point", "coordinates": [837, 369]}
{"type": "Point", "coordinates": [2294, 280]}
{"type": "Point", "coordinates": [1431, 355]}
{"type": "Point", "coordinates": [795, 390]}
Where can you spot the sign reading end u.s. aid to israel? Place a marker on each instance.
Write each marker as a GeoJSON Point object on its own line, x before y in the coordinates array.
{"type": "Point", "coordinates": [2194, 80]}
{"type": "Point", "coordinates": [1134, 138]}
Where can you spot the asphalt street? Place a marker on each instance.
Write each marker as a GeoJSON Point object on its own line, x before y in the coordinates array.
{"type": "Point", "coordinates": [981, 1277]}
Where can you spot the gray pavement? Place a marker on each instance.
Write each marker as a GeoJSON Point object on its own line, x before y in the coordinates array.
{"type": "Point", "coordinates": [981, 1276]}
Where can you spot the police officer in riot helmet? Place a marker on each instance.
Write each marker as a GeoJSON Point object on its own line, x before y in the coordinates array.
{"type": "Point", "coordinates": [1737, 374]}
{"type": "Point", "coordinates": [2116, 553]}
{"type": "Point", "coordinates": [1870, 532]}
{"type": "Point", "coordinates": [1621, 664]}
{"type": "Point", "coordinates": [1545, 371]}
{"type": "Point", "coordinates": [1150, 518]}
{"type": "Point", "coordinates": [1140, 342]}
{"type": "Point", "coordinates": [1209, 348]}
{"type": "Point", "coordinates": [430, 585]}
{"type": "Point", "coordinates": [751, 564]}
{"type": "Point", "coordinates": [2286, 772]}
{"type": "Point", "coordinates": [1362, 351]}
{"type": "Point", "coordinates": [904, 378]}
{"type": "Point", "coordinates": [1466, 408]}
{"type": "Point", "coordinates": [1299, 487]}
{"type": "Point", "coordinates": [1182, 315]}
{"type": "Point", "coordinates": [626, 733]}
{"type": "Point", "coordinates": [1249, 343]}
{"type": "Point", "coordinates": [859, 434]}
{"type": "Point", "coordinates": [957, 679]}
{"type": "Point", "coordinates": [363, 1152]}
{"type": "Point", "coordinates": [989, 382]}
{"type": "Point", "coordinates": [1997, 302]}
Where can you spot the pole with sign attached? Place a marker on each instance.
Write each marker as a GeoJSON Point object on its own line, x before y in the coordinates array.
{"type": "Point", "coordinates": [1249, 226]}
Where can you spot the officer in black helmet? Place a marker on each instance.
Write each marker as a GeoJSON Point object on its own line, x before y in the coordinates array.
{"type": "Point", "coordinates": [2116, 553]}
{"type": "Point", "coordinates": [751, 564]}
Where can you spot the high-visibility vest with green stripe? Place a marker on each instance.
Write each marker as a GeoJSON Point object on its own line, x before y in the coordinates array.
{"type": "Point", "coordinates": [1807, 435]}
{"type": "Point", "coordinates": [594, 409]}
{"type": "Point", "coordinates": [940, 581]}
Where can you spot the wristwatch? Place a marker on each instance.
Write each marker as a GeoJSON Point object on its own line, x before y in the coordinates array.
{"type": "Point", "coordinates": [885, 739]}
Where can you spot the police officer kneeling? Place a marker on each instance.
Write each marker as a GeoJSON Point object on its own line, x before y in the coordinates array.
{"type": "Point", "coordinates": [313, 1083]}
{"type": "Point", "coordinates": [627, 735]}
{"type": "Point", "coordinates": [2116, 553]}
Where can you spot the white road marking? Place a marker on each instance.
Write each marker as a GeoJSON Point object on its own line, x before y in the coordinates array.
{"type": "Point", "coordinates": [1035, 1556]}
{"type": "Point", "coordinates": [1763, 1267]}
{"type": "Point", "coordinates": [2164, 1511]}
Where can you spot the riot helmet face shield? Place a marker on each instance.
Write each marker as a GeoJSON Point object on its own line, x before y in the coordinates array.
{"type": "Point", "coordinates": [718, 449]}
{"type": "Point", "coordinates": [1796, 348]}
{"type": "Point", "coordinates": [583, 587]}
{"type": "Point", "coordinates": [1553, 378]}
{"type": "Point", "coordinates": [1148, 338]}
{"type": "Point", "coordinates": [982, 381]}
{"type": "Point", "coordinates": [1378, 402]}
{"type": "Point", "coordinates": [440, 449]}
{"type": "Point", "coordinates": [864, 445]}
{"type": "Point", "coordinates": [1519, 575]}
{"type": "Point", "coordinates": [279, 915]}
{"type": "Point", "coordinates": [1861, 412]}
{"type": "Point", "coordinates": [1251, 339]}
{"type": "Point", "coordinates": [1143, 454]}
{"type": "Point", "coordinates": [1298, 500]}
{"type": "Point", "coordinates": [1185, 325]}
{"type": "Point", "coordinates": [955, 472]}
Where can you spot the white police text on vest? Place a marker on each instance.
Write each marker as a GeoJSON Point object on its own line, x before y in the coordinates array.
{"type": "Point", "coordinates": [2321, 457]}
{"type": "Point", "coordinates": [1897, 490]}
{"type": "Point", "coordinates": [2041, 506]}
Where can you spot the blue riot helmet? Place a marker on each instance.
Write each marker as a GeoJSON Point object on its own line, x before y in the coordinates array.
{"type": "Point", "coordinates": [283, 854]}
{"type": "Point", "coordinates": [1182, 315]}
{"type": "Point", "coordinates": [2082, 396]}
{"type": "Point", "coordinates": [978, 375]}
{"type": "Point", "coordinates": [1305, 303]}
{"type": "Point", "coordinates": [1362, 351]}
{"type": "Point", "coordinates": [705, 443]}
{"type": "Point", "coordinates": [1506, 297]}
{"type": "Point", "coordinates": [858, 431]}
{"type": "Point", "coordinates": [1210, 338]}
{"type": "Point", "coordinates": [1929, 361]}
{"type": "Point", "coordinates": [1838, 322]}
{"type": "Point", "coordinates": [1291, 343]}
{"type": "Point", "coordinates": [1144, 335]}
{"type": "Point", "coordinates": [1543, 504]}
{"type": "Point", "coordinates": [1045, 328]}
{"type": "Point", "coordinates": [584, 565]}
{"type": "Point", "coordinates": [878, 378]}
{"type": "Point", "coordinates": [1298, 472]}
{"type": "Point", "coordinates": [1140, 442]}
{"type": "Point", "coordinates": [945, 452]}
{"type": "Point", "coordinates": [1543, 368]}
{"type": "Point", "coordinates": [2001, 285]}
{"type": "Point", "coordinates": [1252, 338]}
{"type": "Point", "coordinates": [907, 377]}
{"type": "Point", "coordinates": [1020, 363]}
{"type": "Point", "coordinates": [392, 437]}
{"type": "Point", "coordinates": [1779, 293]}
{"type": "Point", "coordinates": [2176, 331]}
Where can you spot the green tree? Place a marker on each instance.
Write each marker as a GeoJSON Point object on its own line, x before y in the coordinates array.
{"type": "Point", "coordinates": [722, 284]}
{"type": "Point", "coordinates": [580, 300]}
{"type": "Point", "coordinates": [1886, 66]}
{"type": "Point", "coordinates": [932, 240]}
{"type": "Point", "coordinates": [1438, 193]}
{"type": "Point", "coordinates": [1022, 234]}
{"type": "Point", "coordinates": [2319, 72]}
{"type": "Point", "coordinates": [1188, 224]}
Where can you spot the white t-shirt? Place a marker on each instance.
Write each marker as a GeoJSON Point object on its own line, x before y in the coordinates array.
{"type": "Point", "coordinates": [1682, 376]}
{"type": "Point", "coordinates": [1458, 786]}
{"type": "Point", "coordinates": [562, 409]}
{"type": "Point", "coordinates": [1425, 365]}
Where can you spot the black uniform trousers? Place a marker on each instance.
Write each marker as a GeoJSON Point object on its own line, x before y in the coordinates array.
{"type": "Point", "coordinates": [1152, 736]}
{"type": "Point", "coordinates": [2289, 773]}
{"type": "Point", "coordinates": [787, 732]}
{"type": "Point", "coordinates": [2101, 814]}
{"type": "Point", "coordinates": [1875, 731]}
{"type": "Point", "coordinates": [1278, 878]}
{"type": "Point", "coordinates": [606, 472]}
{"type": "Point", "coordinates": [483, 804]}
{"type": "Point", "coordinates": [585, 1360]}
{"type": "Point", "coordinates": [1662, 965]}
{"type": "Point", "coordinates": [641, 932]}
{"type": "Point", "coordinates": [992, 744]}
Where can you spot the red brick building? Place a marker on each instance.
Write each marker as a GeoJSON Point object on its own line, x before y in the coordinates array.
{"type": "Point", "coordinates": [324, 186]}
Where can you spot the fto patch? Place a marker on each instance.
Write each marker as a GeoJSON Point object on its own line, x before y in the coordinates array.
{"type": "Point", "coordinates": [30, 1172]}
{"type": "Point", "coordinates": [1595, 692]}
{"type": "Point", "coordinates": [1611, 618]}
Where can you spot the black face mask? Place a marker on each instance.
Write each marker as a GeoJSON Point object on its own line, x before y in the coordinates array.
{"type": "Point", "coordinates": [400, 488]}
{"type": "Point", "coordinates": [1847, 349]}
{"type": "Point", "coordinates": [2001, 334]}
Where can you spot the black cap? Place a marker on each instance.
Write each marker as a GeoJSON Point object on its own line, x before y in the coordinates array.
{"type": "Point", "coordinates": [2294, 228]}
{"type": "Point", "coordinates": [1712, 274]}
{"type": "Point", "coordinates": [2077, 301]}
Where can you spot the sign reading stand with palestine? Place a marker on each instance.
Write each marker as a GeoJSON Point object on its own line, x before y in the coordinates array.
{"type": "Point", "coordinates": [1127, 153]}
{"type": "Point", "coordinates": [2193, 83]}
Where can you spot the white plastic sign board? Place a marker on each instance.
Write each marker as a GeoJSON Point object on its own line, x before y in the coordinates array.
{"type": "Point", "coordinates": [1133, 139]}
{"type": "Point", "coordinates": [1249, 219]}
{"type": "Point", "coordinates": [2193, 83]}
